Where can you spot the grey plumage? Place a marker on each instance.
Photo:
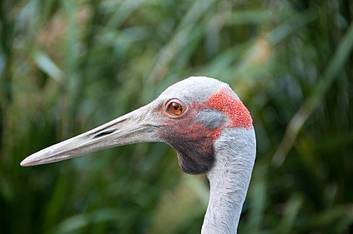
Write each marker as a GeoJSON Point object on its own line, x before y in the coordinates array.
{"type": "Point", "coordinates": [211, 119]}
{"type": "Point", "coordinates": [229, 180]}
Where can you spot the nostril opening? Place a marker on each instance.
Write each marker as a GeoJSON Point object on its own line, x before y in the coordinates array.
{"type": "Point", "coordinates": [104, 133]}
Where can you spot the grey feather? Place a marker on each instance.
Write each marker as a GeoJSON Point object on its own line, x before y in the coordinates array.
{"type": "Point", "coordinates": [211, 119]}
{"type": "Point", "coordinates": [229, 180]}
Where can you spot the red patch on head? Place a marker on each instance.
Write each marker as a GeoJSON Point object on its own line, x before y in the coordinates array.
{"type": "Point", "coordinates": [196, 140]}
{"type": "Point", "coordinates": [235, 110]}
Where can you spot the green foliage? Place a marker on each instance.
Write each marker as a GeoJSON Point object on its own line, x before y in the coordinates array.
{"type": "Point", "coordinates": [67, 66]}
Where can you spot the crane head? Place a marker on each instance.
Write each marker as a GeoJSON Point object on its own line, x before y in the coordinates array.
{"type": "Point", "coordinates": [189, 116]}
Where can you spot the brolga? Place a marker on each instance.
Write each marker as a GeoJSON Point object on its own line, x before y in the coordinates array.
{"type": "Point", "coordinates": [205, 122]}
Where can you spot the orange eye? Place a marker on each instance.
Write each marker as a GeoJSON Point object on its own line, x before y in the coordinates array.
{"type": "Point", "coordinates": [175, 108]}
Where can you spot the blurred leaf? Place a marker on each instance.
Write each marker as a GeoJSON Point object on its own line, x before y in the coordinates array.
{"type": "Point", "coordinates": [298, 120]}
{"type": "Point", "coordinates": [48, 66]}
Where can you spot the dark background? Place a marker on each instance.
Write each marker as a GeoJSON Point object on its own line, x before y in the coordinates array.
{"type": "Point", "coordinates": [68, 66]}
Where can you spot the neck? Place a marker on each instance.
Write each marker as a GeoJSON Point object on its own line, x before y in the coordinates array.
{"type": "Point", "coordinates": [229, 180]}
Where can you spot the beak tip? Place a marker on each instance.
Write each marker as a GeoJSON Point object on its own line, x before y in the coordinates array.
{"type": "Point", "coordinates": [26, 162]}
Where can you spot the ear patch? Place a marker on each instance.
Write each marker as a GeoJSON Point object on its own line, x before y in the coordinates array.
{"type": "Point", "coordinates": [211, 119]}
{"type": "Point", "coordinates": [235, 110]}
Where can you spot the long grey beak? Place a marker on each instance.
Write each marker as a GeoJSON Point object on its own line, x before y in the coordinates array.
{"type": "Point", "coordinates": [131, 128]}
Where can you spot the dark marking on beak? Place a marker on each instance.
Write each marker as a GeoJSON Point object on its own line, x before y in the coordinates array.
{"type": "Point", "coordinates": [104, 133]}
